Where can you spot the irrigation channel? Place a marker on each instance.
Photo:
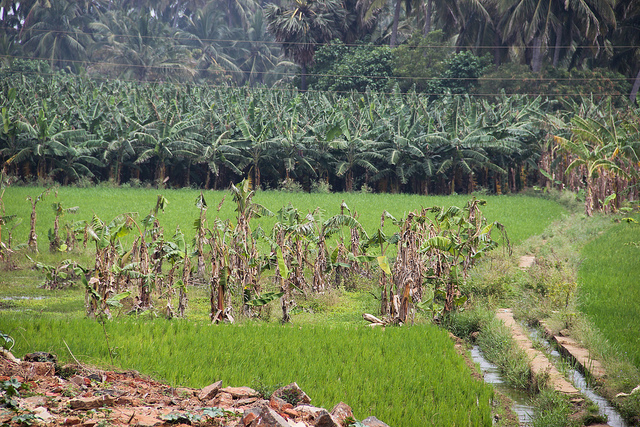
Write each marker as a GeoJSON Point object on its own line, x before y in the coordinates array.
{"type": "Point", "coordinates": [521, 400]}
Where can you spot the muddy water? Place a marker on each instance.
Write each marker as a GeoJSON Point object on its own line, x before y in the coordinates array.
{"type": "Point", "coordinates": [491, 374]}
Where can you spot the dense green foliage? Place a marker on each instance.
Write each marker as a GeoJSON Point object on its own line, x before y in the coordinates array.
{"type": "Point", "coordinates": [74, 130]}
{"type": "Point", "coordinates": [261, 43]}
{"type": "Point", "coordinates": [342, 68]}
{"type": "Point", "coordinates": [609, 293]}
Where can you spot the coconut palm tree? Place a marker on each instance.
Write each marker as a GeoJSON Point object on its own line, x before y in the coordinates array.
{"type": "Point", "coordinates": [534, 23]}
{"type": "Point", "coordinates": [52, 31]}
{"type": "Point", "coordinates": [302, 25]}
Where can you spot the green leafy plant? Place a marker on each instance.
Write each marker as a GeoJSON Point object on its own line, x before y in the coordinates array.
{"type": "Point", "coordinates": [11, 391]}
{"type": "Point", "coordinates": [6, 341]}
{"type": "Point", "coordinates": [27, 419]}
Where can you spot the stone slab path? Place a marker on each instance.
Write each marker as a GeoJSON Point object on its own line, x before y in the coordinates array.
{"type": "Point", "coordinates": [570, 348]}
{"type": "Point", "coordinates": [539, 363]}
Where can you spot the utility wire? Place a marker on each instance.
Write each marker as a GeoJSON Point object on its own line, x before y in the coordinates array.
{"type": "Point", "coordinates": [190, 70]}
{"type": "Point", "coordinates": [273, 42]}
{"type": "Point", "coordinates": [283, 89]}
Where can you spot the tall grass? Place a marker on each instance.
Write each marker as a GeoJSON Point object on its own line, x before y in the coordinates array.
{"type": "Point", "coordinates": [610, 288]}
{"type": "Point", "coordinates": [408, 376]}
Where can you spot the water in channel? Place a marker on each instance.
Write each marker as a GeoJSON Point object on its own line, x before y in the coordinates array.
{"type": "Point", "coordinates": [614, 419]}
{"type": "Point", "coordinates": [491, 374]}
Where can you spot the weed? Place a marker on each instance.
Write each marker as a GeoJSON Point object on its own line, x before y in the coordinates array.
{"type": "Point", "coordinates": [264, 390]}
{"type": "Point", "coordinates": [27, 419]}
{"type": "Point", "coordinates": [551, 409]}
{"type": "Point", "coordinates": [499, 348]}
{"type": "Point", "coordinates": [11, 391]}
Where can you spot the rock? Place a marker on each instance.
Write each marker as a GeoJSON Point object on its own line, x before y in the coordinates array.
{"type": "Point", "coordinates": [373, 422]}
{"type": "Point", "coordinates": [309, 413]}
{"type": "Point", "coordinates": [80, 381]}
{"type": "Point", "coordinates": [240, 392]}
{"type": "Point", "coordinates": [279, 404]}
{"type": "Point", "coordinates": [210, 391]}
{"type": "Point", "coordinates": [32, 402]}
{"type": "Point", "coordinates": [245, 402]}
{"type": "Point", "coordinates": [290, 412]}
{"type": "Point", "coordinates": [40, 356]}
{"type": "Point", "coordinates": [128, 401]}
{"type": "Point", "coordinates": [43, 414]}
{"type": "Point", "coordinates": [222, 399]}
{"type": "Point", "coordinates": [140, 420]}
{"type": "Point", "coordinates": [263, 416]}
{"type": "Point", "coordinates": [41, 369]}
{"type": "Point", "coordinates": [327, 420]}
{"type": "Point", "coordinates": [341, 412]}
{"type": "Point", "coordinates": [71, 421]}
{"type": "Point", "coordinates": [292, 394]}
{"type": "Point", "coordinates": [84, 403]}
{"type": "Point", "coordinates": [250, 415]}
{"type": "Point", "coordinates": [184, 392]}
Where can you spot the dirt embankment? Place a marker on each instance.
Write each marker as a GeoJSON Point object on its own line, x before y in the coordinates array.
{"type": "Point", "coordinates": [75, 395]}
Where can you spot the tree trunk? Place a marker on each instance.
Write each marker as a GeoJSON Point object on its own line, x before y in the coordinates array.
{"type": "Point", "coordinates": [636, 87]}
{"type": "Point", "coordinates": [558, 46]}
{"type": "Point", "coordinates": [303, 78]}
{"type": "Point", "coordinates": [588, 203]}
{"type": "Point", "coordinates": [396, 21]}
{"type": "Point", "coordinates": [536, 58]}
{"type": "Point", "coordinates": [497, 48]}
{"type": "Point", "coordinates": [427, 17]}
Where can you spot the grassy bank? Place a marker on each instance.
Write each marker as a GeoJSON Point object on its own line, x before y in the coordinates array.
{"type": "Point", "coordinates": [610, 289]}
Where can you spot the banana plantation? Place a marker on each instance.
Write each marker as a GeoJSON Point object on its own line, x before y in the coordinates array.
{"type": "Point", "coordinates": [75, 131]}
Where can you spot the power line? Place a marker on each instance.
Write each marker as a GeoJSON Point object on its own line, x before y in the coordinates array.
{"type": "Point", "coordinates": [273, 42]}
{"type": "Point", "coordinates": [289, 74]}
{"type": "Point", "coordinates": [282, 89]}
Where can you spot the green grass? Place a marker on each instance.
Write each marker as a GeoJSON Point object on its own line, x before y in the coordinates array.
{"type": "Point", "coordinates": [610, 287]}
{"type": "Point", "coordinates": [408, 376]}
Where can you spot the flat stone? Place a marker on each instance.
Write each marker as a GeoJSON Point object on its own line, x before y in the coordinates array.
{"type": "Point", "coordinates": [245, 402]}
{"type": "Point", "coordinates": [40, 369]}
{"type": "Point", "coordinates": [581, 355]}
{"type": "Point", "coordinates": [240, 392]}
{"type": "Point", "coordinates": [222, 399]}
{"type": "Point", "coordinates": [210, 391]}
{"type": "Point", "coordinates": [140, 420]}
{"type": "Point", "coordinates": [72, 421]}
{"type": "Point", "coordinates": [43, 414]}
{"type": "Point", "coordinates": [373, 422]}
{"type": "Point", "coordinates": [309, 413]}
{"type": "Point", "coordinates": [32, 402]}
{"type": "Point", "coordinates": [540, 366]}
{"type": "Point", "coordinates": [91, 402]}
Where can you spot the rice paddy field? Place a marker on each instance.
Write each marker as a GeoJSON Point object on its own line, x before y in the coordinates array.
{"type": "Point", "coordinates": [522, 216]}
{"type": "Point", "coordinates": [408, 376]}
{"type": "Point", "coordinates": [610, 287]}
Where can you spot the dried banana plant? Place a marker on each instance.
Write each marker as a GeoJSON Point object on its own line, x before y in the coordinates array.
{"type": "Point", "coordinates": [458, 237]}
